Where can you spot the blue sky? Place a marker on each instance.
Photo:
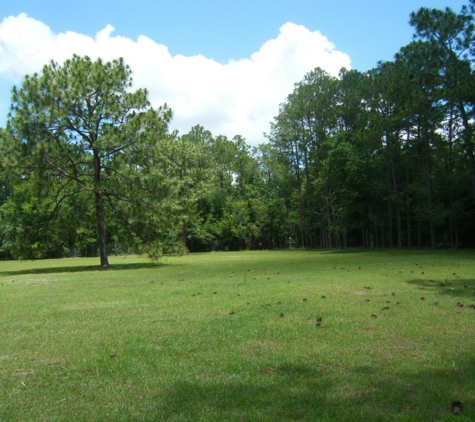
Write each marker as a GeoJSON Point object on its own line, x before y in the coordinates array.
{"type": "Point", "coordinates": [203, 36]}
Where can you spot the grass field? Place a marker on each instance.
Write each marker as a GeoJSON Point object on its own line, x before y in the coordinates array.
{"type": "Point", "coordinates": [234, 337]}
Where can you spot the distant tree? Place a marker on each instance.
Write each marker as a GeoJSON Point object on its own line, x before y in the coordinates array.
{"type": "Point", "coordinates": [447, 39]}
{"type": "Point", "coordinates": [306, 121]}
{"type": "Point", "coordinates": [183, 163]}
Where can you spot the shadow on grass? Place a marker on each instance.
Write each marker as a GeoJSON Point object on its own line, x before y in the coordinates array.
{"type": "Point", "coordinates": [84, 268]}
{"type": "Point", "coordinates": [454, 288]}
{"type": "Point", "coordinates": [343, 251]}
{"type": "Point", "coordinates": [305, 393]}
{"type": "Point", "coordinates": [281, 393]}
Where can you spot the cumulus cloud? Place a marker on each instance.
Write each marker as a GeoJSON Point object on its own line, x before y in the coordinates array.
{"type": "Point", "coordinates": [238, 97]}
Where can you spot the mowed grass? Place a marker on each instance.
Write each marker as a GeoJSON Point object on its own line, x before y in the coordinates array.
{"type": "Point", "coordinates": [233, 337]}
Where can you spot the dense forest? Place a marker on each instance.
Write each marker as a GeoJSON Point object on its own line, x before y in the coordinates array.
{"type": "Point", "coordinates": [382, 158]}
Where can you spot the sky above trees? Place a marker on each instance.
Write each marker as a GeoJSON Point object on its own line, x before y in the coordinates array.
{"type": "Point", "coordinates": [226, 65]}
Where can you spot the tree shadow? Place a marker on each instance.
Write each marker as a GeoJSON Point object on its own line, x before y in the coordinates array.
{"type": "Point", "coordinates": [309, 394]}
{"type": "Point", "coordinates": [343, 251]}
{"type": "Point", "coordinates": [459, 287]}
{"type": "Point", "coordinates": [283, 393]}
{"type": "Point", "coordinates": [84, 268]}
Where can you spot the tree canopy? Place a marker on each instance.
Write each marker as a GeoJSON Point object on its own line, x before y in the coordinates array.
{"type": "Point", "coordinates": [76, 131]}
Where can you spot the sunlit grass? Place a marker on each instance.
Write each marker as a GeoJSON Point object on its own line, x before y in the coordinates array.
{"type": "Point", "coordinates": [233, 336]}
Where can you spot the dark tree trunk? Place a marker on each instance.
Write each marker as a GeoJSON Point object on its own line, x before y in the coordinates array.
{"type": "Point", "coordinates": [418, 218]}
{"type": "Point", "coordinates": [302, 221]}
{"type": "Point", "coordinates": [390, 224]}
{"type": "Point", "coordinates": [184, 235]}
{"type": "Point", "coordinates": [99, 205]}
{"type": "Point", "coordinates": [393, 177]}
{"type": "Point", "coordinates": [430, 191]}
{"type": "Point", "coordinates": [468, 144]}
{"type": "Point", "coordinates": [323, 234]}
{"type": "Point", "coordinates": [101, 230]}
{"type": "Point", "coordinates": [408, 208]}
{"type": "Point", "coordinates": [301, 201]}
{"type": "Point", "coordinates": [345, 239]}
{"type": "Point", "coordinates": [330, 239]}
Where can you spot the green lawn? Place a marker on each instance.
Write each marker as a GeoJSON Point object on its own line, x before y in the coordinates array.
{"type": "Point", "coordinates": [233, 337]}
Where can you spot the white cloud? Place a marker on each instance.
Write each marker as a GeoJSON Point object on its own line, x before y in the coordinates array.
{"type": "Point", "coordinates": [239, 97]}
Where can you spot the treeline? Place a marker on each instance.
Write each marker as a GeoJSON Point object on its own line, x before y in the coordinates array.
{"type": "Point", "coordinates": [383, 158]}
{"type": "Point", "coordinates": [386, 157]}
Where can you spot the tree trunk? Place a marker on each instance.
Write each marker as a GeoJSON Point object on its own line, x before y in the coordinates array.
{"type": "Point", "coordinates": [451, 233]}
{"type": "Point", "coordinates": [101, 230]}
{"type": "Point", "coordinates": [468, 144]}
{"type": "Point", "coordinates": [408, 208]}
{"type": "Point", "coordinates": [390, 225]}
{"type": "Point", "coordinates": [99, 205]}
{"type": "Point", "coordinates": [418, 218]}
{"type": "Point", "coordinates": [302, 221]}
{"type": "Point", "coordinates": [429, 191]}
{"type": "Point", "coordinates": [330, 240]}
{"type": "Point", "coordinates": [392, 171]}
{"type": "Point", "coordinates": [456, 237]}
{"type": "Point", "coordinates": [184, 235]}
